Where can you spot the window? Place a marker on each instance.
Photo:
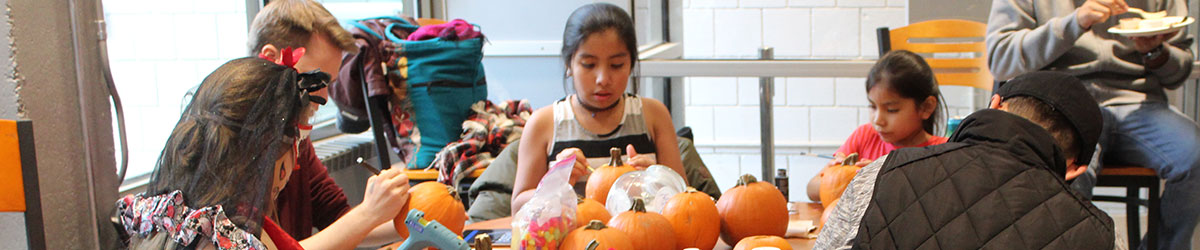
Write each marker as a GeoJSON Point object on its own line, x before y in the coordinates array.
{"type": "Point", "coordinates": [158, 50]}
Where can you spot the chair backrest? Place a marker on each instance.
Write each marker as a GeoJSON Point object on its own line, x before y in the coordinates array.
{"type": "Point", "coordinates": [955, 49]}
{"type": "Point", "coordinates": [19, 192]}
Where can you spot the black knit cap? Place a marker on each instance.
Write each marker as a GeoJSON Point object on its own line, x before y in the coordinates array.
{"type": "Point", "coordinates": [1067, 95]}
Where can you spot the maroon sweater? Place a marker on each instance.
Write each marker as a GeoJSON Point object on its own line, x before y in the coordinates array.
{"type": "Point", "coordinates": [311, 198]}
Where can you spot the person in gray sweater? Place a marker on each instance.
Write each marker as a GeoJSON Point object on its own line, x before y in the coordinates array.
{"type": "Point", "coordinates": [1127, 76]}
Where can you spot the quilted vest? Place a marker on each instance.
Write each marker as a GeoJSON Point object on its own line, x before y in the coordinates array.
{"type": "Point", "coordinates": [995, 185]}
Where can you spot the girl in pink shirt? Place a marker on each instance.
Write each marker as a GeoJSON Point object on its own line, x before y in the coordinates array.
{"type": "Point", "coordinates": [905, 106]}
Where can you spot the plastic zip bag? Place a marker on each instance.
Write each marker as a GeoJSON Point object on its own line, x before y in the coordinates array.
{"type": "Point", "coordinates": [546, 219]}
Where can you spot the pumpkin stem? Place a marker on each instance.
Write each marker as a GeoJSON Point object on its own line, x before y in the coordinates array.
{"type": "Point", "coordinates": [578, 199]}
{"type": "Point", "coordinates": [595, 225]}
{"type": "Point", "coordinates": [453, 192]}
{"type": "Point", "coordinates": [615, 154]}
{"type": "Point", "coordinates": [638, 206]}
{"type": "Point", "coordinates": [746, 179]}
{"type": "Point", "coordinates": [691, 190]}
{"type": "Point", "coordinates": [850, 159]}
{"type": "Point", "coordinates": [592, 245]}
{"type": "Point", "coordinates": [483, 242]}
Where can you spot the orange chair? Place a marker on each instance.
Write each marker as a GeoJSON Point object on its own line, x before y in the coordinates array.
{"type": "Point", "coordinates": [935, 39]}
{"type": "Point", "coordinates": [1133, 179]}
{"type": "Point", "coordinates": [19, 180]}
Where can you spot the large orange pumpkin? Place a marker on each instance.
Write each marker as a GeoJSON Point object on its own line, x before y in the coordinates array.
{"type": "Point", "coordinates": [835, 178]}
{"type": "Point", "coordinates": [752, 208]}
{"type": "Point", "coordinates": [694, 217]}
{"type": "Point", "coordinates": [439, 202]}
{"type": "Point", "coordinates": [588, 210]}
{"type": "Point", "coordinates": [646, 230]}
{"type": "Point", "coordinates": [749, 243]}
{"type": "Point", "coordinates": [603, 177]}
{"type": "Point", "coordinates": [595, 232]}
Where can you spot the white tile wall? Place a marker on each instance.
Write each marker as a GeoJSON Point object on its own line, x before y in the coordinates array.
{"type": "Point", "coordinates": [737, 32]}
{"type": "Point", "coordinates": [791, 125]}
{"type": "Point", "coordinates": [698, 33]}
{"type": "Point", "coordinates": [724, 168]}
{"type": "Point", "coordinates": [873, 18]}
{"type": "Point", "coordinates": [851, 92]}
{"type": "Point", "coordinates": [763, 3]}
{"type": "Point", "coordinates": [810, 91]}
{"type": "Point", "coordinates": [739, 125]}
{"type": "Point", "coordinates": [789, 31]}
{"type": "Point", "coordinates": [861, 3]}
{"type": "Point", "coordinates": [811, 3]}
{"type": "Point", "coordinates": [714, 4]}
{"type": "Point", "coordinates": [752, 165]}
{"type": "Point", "coordinates": [748, 92]}
{"type": "Point", "coordinates": [833, 124]}
{"type": "Point", "coordinates": [835, 32]}
{"type": "Point", "coordinates": [700, 118]}
{"type": "Point", "coordinates": [712, 90]}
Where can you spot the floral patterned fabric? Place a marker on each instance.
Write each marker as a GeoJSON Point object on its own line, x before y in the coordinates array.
{"type": "Point", "coordinates": [141, 216]}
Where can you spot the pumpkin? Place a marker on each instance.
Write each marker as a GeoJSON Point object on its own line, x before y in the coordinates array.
{"type": "Point", "coordinates": [752, 242]}
{"type": "Point", "coordinates": [835, 178]}
{"type": "Point", "coordinates": [646, 230]}
{"type": "Point", "coordinates": [694, 217]}
{"type": "Point", "coordinates": [825, 215]}
{"type": "Point", "coordinates": [752, 208]}
{"type": "Point", "coordinates": [588, 210]}
{"type": "Point", "coordinates": [603, 178]}
{"type": "Point", "coordinates": [596, 234]}
{"type": "Point", "coordinates": [439, 202]}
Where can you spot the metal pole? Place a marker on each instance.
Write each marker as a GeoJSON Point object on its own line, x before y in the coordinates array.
{"type": "Point", "coordinates": [766, 90]}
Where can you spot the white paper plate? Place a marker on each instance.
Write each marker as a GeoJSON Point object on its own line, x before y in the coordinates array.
{"type": "Point", "coordinates": [1179, 25]}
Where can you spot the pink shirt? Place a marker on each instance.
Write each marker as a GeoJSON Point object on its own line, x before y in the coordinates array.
{"type": "Point", "coordinates": [870, 146]}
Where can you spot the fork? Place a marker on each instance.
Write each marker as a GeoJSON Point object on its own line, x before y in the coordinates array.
{"type": "Point", "coordinates": [1148, 15]}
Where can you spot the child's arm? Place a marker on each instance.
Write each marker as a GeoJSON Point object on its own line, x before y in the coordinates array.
{"type": "Point", "coordinates": [383, 234]}
{"type": "Point", "coordinates": [665, 141]}
{"type": "Point", "coordinates": [531, 156]}
{"type": "Point", "coordinates": [385, 195]}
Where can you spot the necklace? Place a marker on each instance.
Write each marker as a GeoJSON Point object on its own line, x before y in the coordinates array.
{"type": "Point", "coordinates": [595, 110]}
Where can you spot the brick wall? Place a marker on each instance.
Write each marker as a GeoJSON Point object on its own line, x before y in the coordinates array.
{"type": "Point", "coordinates": [812, 115]}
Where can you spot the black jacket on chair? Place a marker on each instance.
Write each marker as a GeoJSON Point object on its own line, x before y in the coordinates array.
{"type": "Point", "coordinates": [997, 184]}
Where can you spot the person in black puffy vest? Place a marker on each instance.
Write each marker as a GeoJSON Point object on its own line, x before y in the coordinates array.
{"type": "Point", "coordinates": [1001, 182]}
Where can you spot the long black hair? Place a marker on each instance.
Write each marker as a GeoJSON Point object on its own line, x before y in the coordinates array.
{"type": "Point", "coordinates": [224, 147]}
{"type": "Point", "coordinates": [910, 76]}
{"type": "Point", "coordinates": [595, 18]}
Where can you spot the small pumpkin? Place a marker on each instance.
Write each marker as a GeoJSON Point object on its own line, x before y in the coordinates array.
{"type": "Point", "coordinates": [752, 242]}
{"type": "Point", "coordinates": [646, 230]}
{"type": "Point", "coordinates": [596, 234]}
{"type": "Point", "coordinates": [835, 178]}
{"type": "Point", "coordinates": [694, 217]}
{"type": "Point", "coordinates": [588, 210]}
{"type": "Point", "coordinates": [439, 202]}
{"type": "Point", "coordinates": [825, 215]}
{"type": "Point", "coordinates": [752, 208]}
{"type": "Point", "coordinates": [603, 177]}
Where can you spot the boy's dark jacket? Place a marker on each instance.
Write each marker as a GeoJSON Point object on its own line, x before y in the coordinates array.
{"type": "Point", "coordinates": [997, 184]}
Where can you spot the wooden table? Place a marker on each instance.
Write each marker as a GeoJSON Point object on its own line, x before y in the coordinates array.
{"type": "Point", "coordinates": [805, 211]}
{"type": "Point", "coordinates": [432, 174]}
